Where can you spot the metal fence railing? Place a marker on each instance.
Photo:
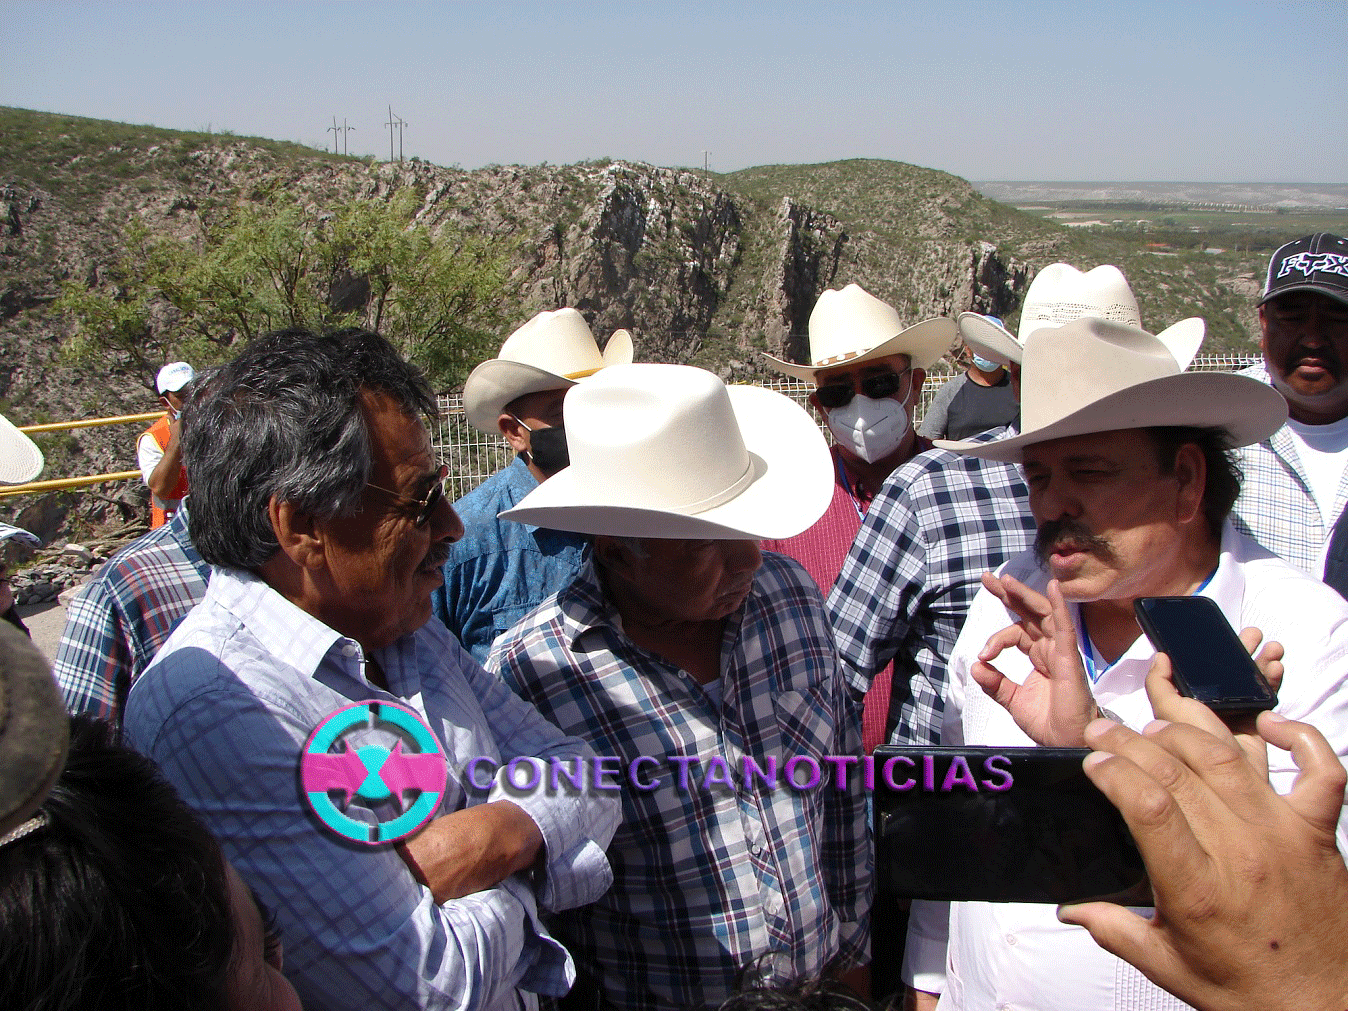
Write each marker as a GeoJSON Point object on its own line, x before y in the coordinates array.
{"type": "Point", "coordinates": [473, 456]}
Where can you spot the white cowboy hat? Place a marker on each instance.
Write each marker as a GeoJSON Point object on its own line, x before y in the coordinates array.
{"type": "Point", "coordinates": [550, 352]}
{"type": "Point", "coordinates": [852, 326]}
{"type": "Point", "coordinates": [670, 451]}
{"type": "Point", "coordinates": [20, 459]}
{"type": "Point", "coordinates": [1094, 375]}
{"type": "Point", "coordinates": [1059, 294]}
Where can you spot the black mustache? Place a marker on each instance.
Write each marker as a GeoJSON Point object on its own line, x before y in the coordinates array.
{"type": "Point", "coordinates": [1053, 533]}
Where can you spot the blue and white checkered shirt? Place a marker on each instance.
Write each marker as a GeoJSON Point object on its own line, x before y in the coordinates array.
{"type": "Point", "coordinates": [1276, 506]}
{"type": "Point", "coordinates": [709, 878]}
{"type": "Point", "coordinates": [118, 620]}
{"type": "Point", "coordinates": [940, 521]}
{"type": "Point", "coordinates": [226, 709]}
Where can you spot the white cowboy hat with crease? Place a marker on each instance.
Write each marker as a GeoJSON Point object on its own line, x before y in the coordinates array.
{"type": "Point", "coordinates": [1093, 375]}
{"type": "Point", "coordinates": [553, 351]}
{"type": "Point", "coordinates": [851, 326]}
{"type": "Point", "coordinates": [671, 451]}
{"type": "Point", "coordinates": [1059, 294]}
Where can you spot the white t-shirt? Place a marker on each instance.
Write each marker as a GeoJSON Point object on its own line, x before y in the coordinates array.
{"type": "Point", "coordinates": [1321, 449]}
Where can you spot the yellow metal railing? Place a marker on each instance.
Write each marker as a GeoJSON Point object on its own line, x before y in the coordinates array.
{"type": "Point", "coordinates": [64, 426]}
{"type": "Point", "coordinates": [57, 484]}
{"type": "Point", "coordinates": [65, 482]}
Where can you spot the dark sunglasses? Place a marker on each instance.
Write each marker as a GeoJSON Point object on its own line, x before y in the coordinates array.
{"type": "Point", "coordinates": [877, 387]}
{"type": "Point", "coordinates": [425, 506]}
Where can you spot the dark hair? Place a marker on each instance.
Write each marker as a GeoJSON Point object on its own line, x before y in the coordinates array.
{"type": "Point", "coordinates": [120, 901]}
{"type": "Point", "coordinates": [1224, 475]}
{"type": "Point", "coordinates": [284, 419]}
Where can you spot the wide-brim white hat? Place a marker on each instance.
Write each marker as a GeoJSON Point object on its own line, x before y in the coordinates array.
{"type": "Point", "coordinates": [671, 451]}
{"type": "Point", "coordinates": [851, 326]}
{"type": "Point", "coordinates": [20, 459]}
{"type": "Point", "coordinates": [1059, 294]}
{"type": "Point", "coordinates": [553, 351]}
{"type": "Point", "coordinates": [1094, 375]}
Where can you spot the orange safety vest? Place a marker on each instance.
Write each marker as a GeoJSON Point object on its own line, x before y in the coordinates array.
{"type": "Point", "coordinates": [158, 517]}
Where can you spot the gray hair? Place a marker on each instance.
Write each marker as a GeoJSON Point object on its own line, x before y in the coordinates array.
{"type": "Point", "coordinates": [283, 420]}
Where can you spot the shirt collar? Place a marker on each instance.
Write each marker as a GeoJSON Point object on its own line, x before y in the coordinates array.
{"type": "Point", "coordinates": [1226, 588]}
{"type": "Point", "coordinates": [294, 637]}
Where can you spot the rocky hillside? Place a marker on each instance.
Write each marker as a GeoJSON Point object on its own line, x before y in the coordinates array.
{"type": "Point", "coordinates": [701, 267]}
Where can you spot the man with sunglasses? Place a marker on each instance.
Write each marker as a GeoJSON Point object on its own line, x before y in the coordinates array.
{"type": "Point", "coordinates": [320, 506]}
{"type": "Point", "coordinates": [868, 371]}
{"type": "Point", "coordinates": [500, 571]}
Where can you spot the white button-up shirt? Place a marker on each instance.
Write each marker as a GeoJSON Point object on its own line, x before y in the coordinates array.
{"type": "Point", "coordinates": [1016, 955]}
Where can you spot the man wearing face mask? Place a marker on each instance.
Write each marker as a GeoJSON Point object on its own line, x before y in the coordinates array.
{"type": "Point", "coordinates": [978, 400]}
{"type": "Point", "coordinates": [499, 571]}
{"type": "Point", "coordinates": [868, 371]}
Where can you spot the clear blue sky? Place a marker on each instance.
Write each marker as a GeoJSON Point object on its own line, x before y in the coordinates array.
{"type": "Point", "coordinates": [1197, 91]}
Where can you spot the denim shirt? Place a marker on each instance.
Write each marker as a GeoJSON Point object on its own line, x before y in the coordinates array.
{"type": "Point", "coordinates": [501, 570]}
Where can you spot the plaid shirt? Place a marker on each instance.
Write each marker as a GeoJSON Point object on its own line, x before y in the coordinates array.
{"type": "Point", "coordinates": [939, 522]}
{"type": "Point", "coordinates": [1276, 506]}
{"type": "Point", "coordinates": [708, 879]}
{"type": "Point", "coordinates": [118, 620]}
{"type": "Point", "coordinates": [226, 710]}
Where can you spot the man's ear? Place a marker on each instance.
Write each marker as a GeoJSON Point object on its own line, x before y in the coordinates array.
{"type": "Point", "coordinates": [301, 538]}
{"type": "Point", "coordinates": [614, 556]}
{"type": "Point", "coordinates": [1191, 471]}
{"type": "Point", "coordinates": [515, 433]}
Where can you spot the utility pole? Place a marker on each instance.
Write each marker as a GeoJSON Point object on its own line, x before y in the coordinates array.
{"type": "Point", "coordinates": [333, 130]}
{"type": "Point", "coordinates": [345, 130]}
{"type": "Point", "coordinates": [390, 124]}
{"type": "Point", "coordinates": [706, 161]}
{"type": "Point", "coordinates": [401, 123]}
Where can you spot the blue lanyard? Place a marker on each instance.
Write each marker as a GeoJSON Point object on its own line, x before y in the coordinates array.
{"type": "Point", "coordinates": [847, 487]}
{"type": "Point", "coordinates": [1088, 649]}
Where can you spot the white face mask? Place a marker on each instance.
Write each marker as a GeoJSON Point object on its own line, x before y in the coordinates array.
{"type": "Point", "coordinates": [872, 429]}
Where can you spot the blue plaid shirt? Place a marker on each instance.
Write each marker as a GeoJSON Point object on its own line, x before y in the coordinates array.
{"type": "Point", "coordinates": [117, 621]}
{"type": "Point", "coordinates": [940, 521]}
{"type": "Point", "coordinates": [499, 570]}
{"type": "Point", "coordinates": [709, 878]}
{"type": "Point", "coordinates": [1276, 506]}
{"type": "Point", "coordinates": [226, 710]}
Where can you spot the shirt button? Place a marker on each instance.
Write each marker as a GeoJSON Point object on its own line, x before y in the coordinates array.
{"type": "Point", "coordinates": [1011, 939]}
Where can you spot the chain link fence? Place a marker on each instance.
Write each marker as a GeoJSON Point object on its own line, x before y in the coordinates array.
{"type": "Point", "coordinates": [473, 456]}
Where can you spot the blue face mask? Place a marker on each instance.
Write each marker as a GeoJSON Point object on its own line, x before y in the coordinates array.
{"type": "Point", "coordinates": [984, 365]}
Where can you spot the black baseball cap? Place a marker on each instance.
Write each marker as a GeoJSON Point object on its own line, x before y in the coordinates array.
{"type": "Point", "coordinates": [1316, 262]}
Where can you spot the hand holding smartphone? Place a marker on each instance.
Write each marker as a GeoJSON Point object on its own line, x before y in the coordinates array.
{"type": "Point", "coordinates": [1209, 661]}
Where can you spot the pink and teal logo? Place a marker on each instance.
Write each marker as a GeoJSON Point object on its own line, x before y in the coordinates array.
{"type": "Point", "coordinates": [407, 778]}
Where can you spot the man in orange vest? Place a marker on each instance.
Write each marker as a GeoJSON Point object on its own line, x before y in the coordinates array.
{"type": "Point", "coordinates": [158, 452]}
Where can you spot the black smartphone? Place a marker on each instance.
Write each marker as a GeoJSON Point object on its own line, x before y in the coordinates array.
{"type": "Point", "coordinates": [1208, 658]}
{"type": "Point", "coordinates": [990, 824]}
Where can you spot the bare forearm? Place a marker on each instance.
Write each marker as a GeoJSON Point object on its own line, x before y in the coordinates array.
{"type": "Point", "coordinates": [472, 849]}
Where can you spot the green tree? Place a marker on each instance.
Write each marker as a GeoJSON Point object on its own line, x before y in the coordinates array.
{"type": "Point", "coordinates": [260, 267]}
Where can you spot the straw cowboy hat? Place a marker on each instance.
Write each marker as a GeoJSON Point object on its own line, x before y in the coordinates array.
{"type": "Point", "coordinates": [551, 352]}
{"type": "Point", "coordinates": [33, 728]}
{"type": "Point", "coordinates": [1059, 294]}
{"type": "Point", "coordinates": [1094, 375]}
{"type": "Point", "coordinates": [670, 451]}
{"type": "Point", "coordinates": [851, 326]}
{"type": "Point", "coordinates": [20, 459]}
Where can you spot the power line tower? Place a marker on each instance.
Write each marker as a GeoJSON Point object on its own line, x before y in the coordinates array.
{"type": "Point", "coordinates": [395, 122]}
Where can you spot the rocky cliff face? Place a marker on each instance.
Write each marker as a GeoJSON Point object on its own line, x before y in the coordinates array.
{"type": "Point", "coordinates": [698, 269]}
